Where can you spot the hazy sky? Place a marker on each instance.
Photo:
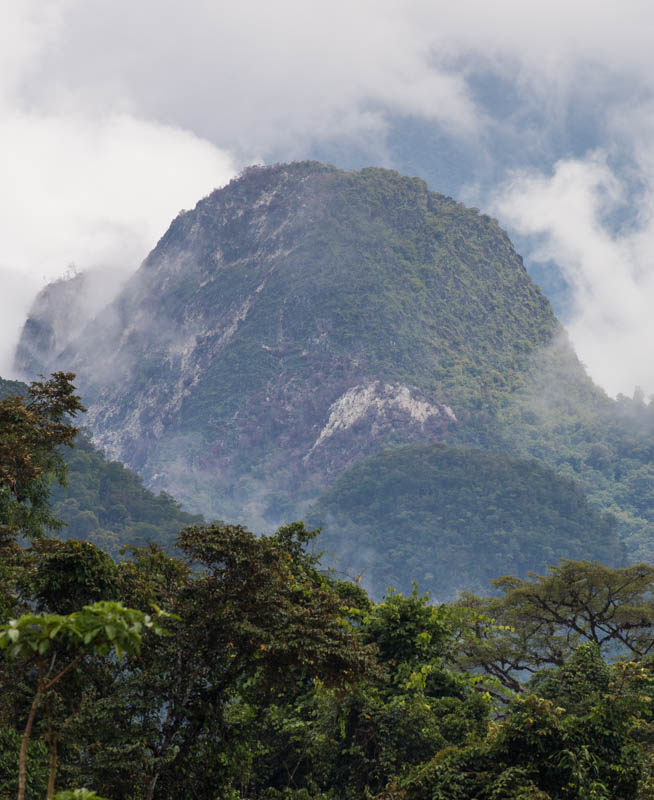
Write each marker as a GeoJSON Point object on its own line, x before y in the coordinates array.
{"type": "Point", "coordinates": [114, 115]}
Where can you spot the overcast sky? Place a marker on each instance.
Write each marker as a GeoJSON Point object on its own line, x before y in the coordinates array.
{"type": "Point", "coordinates": [114, 115]}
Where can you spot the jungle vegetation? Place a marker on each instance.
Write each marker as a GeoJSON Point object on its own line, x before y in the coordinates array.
{"type": "Point", "coordinates": [268, 677]}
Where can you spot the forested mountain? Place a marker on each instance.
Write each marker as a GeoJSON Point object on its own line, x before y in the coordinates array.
{"type": "Point", "coordinates": [105, 502]}
{"type": "Point", "coordinates": [453, 518]}
{"type": "Point", "coordinates": [296, 320]}
{"type": "Point", "coordinates": [8, 388]}
{"type": "Point", "coordinates": [302, 319]}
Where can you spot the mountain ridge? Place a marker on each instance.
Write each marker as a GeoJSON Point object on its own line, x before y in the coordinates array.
{"type": "Point", "coordinates": [302, 320]}
{"type": "Point", "coordinates": [282, 299]}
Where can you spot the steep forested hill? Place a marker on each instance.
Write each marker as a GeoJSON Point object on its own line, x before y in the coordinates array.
{"type": "Point", "coordinates": [295, 321]}
{"type": "Point", "coordinates": [452, 518]}
{"type": "Point", "coordinates": [303, 318]}
{"type": "Point", "coordinates": [105, 502]}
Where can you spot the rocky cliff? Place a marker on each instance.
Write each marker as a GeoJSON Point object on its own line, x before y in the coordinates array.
{"type": "Point", "coordinates": [295, 321]}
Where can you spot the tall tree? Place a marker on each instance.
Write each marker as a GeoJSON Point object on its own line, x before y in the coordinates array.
{"type": "Point", "coordinates": [539, 621]}
{"type": "Point", "coordinates": [255, 620]}
{"type": "Point", "coordinates": [32, 431]}
{"type": "Point", "coordinates": [54, 645]}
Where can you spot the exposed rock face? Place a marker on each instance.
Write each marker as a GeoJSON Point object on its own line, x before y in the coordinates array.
{"type": "Point", "coordinates": [294, 321]}
{"type": "Point", "coordinates": [366, 414]}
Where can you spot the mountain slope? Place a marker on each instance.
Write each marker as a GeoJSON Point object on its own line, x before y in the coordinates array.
{"type": "Point", "coordinates": [59, 314]}
{"type": "Point", "coordinates": [453, 518]}
{"type": "Point", "coordinates": [105, 502]}
{"type": "Point", "coordinates": [298, 320]}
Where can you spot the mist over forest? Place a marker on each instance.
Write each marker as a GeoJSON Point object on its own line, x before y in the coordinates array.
{"type": "Point", "coordinates": [326, 401]}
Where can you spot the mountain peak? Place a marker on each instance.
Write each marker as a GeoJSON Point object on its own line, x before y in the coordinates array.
{"type": "Point", "coordinates": [298, 319]}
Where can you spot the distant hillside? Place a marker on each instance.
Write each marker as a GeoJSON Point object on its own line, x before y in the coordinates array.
{"type": "Point", "coordinates": [296, 321]}
{"type": "Point", "coordinates": [105, 502]}
{"type": "Point", "coordinates": [452, 518]}
{"type": "Point", "coordinates": [8, 388]}
{"type": "Point", "coordinates": [303, 318]}
{"type": "Point", "coordinates": [562, 419]}
{"type": "Point", "coordinates": [59, 314]}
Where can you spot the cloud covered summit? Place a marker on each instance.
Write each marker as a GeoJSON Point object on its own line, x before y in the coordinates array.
{"type": "Point", "coordinates": [115, 116]}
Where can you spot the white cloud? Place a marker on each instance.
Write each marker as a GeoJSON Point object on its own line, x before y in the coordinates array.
{"type": "Point", "coordinates": [79, 186]}
{"type": "Point", "coordinates": [117, 113]}
{"type": "Point", "coordinates": [273, 77]}
{"type": "Point", "coordinates": [611, 271]}
{"type": "Point", "coordinates": [93, 192]}
{"type": "Point", "coordinates": [259, 76]}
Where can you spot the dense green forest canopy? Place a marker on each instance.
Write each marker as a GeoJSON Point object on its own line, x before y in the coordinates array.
{"type": "Point", "coordinates": [105, 502]}
{"type": "Point", "coordinates": [453, 518]}
{"type": "Point", "coordinates": [277, 681]}
{"type": "Point", "coordinates": [270, 679]}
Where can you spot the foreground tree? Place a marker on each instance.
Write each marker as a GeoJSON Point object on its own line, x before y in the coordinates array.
{"type": "Point", "coordinates": [321, 742]}
{"type": "Point", "coordinates": [576, 739]}
{"type": "Point", "coordinates": [255, 622]}
{"type": "Point", "coordinates": [539, 622]}
{"type": "Point", "coordinates": [32, 431]}
{"type": "Point", "coordinates": [54, 645]}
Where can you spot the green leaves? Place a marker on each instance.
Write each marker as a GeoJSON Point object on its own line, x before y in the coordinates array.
{"type": "Point", "coordinates": [274, 682]}
{"type": "Point", "coordinates": [100, 627]}
{"type": "Point", "coordinates": [32, 430]}
{"type": "Point", "coordinates": [97, 628]}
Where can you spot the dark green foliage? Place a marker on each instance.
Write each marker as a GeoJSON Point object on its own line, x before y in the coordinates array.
{"type": "Point", "coordinates": [256, 622]}
{"type": "Point", "coordinates": [37, 772]}
{"type": "Point", "coordinates": [68, 575]}
{"type": "Point", "coordinates": [542, 752]}
{"type": "Point", "coordinates": [103, 501]}
{"type": "Point", "coordinates": [577, 684]}
{"type": "Point", "coordinates": [106, 503]}
{"type": "Point", "coordinates": [33, 429]}
{"type": "Point", "coordinates": [561, 418]}
{"type": "Point", "coordinates": [453, 518]}
{"type": "Point", "coordinates": [277, 683]}
{"type": "Point", "coordinates": [354, 744]}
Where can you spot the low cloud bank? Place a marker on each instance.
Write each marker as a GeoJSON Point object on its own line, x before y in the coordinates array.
{"type": "Point", "coordinates": [573, 216]}
{"type": "Point", "coordinates": [96, 193]}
